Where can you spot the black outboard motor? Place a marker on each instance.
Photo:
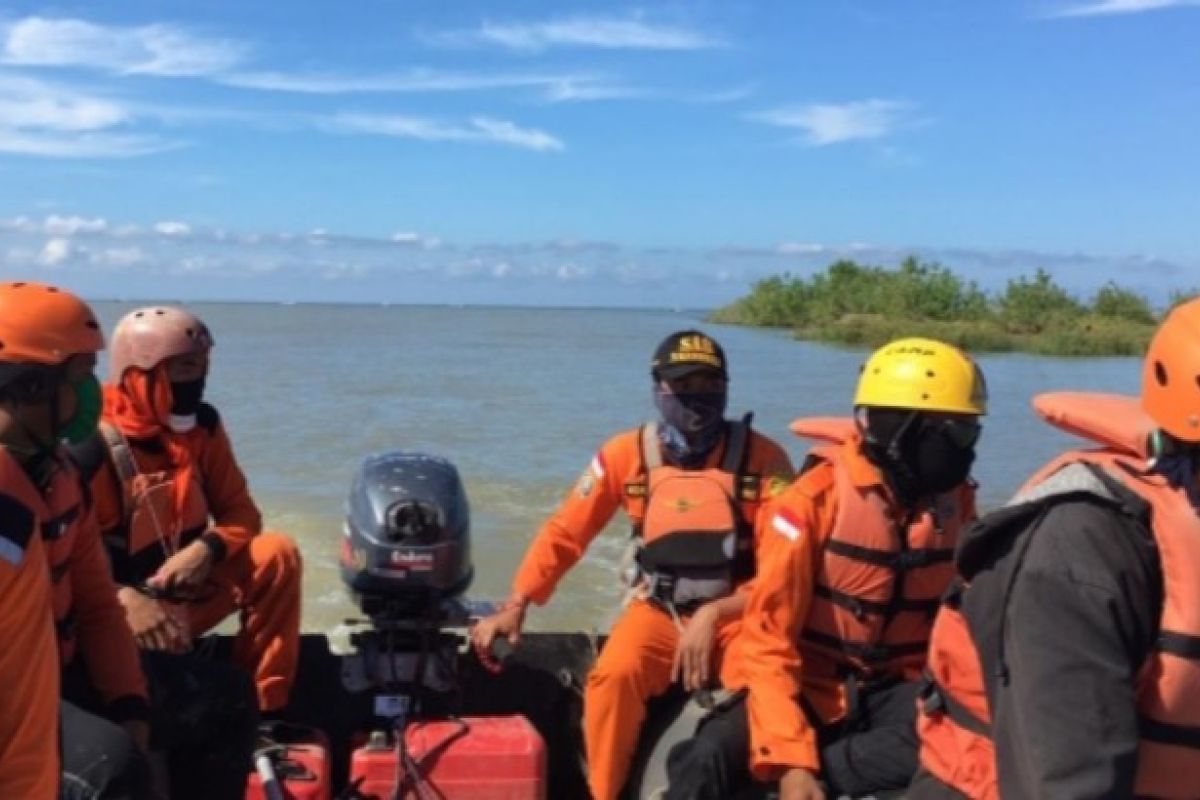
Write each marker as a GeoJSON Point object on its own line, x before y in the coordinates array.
{"type": "Point", "coordinates": [407, 546]}
{"type": "Point", "coordinates": [406, 559]}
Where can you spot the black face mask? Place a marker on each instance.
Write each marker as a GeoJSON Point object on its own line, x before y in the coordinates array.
{"type": "Point", "coordinates": [940, 458]}
{"type": "Point", "coordinates": [1178, 462]}
{"type": "Point", "coordinates": [186, 397]}
{"type": "Point", "coordinates": [919, 455]}
{"type": "Point", "coordinates": [692, 423]}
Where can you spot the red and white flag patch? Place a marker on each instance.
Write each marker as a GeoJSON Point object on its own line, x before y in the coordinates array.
{"type": "Point", "coordinates": [784, 523]}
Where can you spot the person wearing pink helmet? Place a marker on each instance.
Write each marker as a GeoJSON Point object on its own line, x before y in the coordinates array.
{"type": "Point", "coordinates": [183, 533]}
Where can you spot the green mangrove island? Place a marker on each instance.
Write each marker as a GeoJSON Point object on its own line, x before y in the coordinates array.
{"type": "Point", "coordinates": [855, 304]}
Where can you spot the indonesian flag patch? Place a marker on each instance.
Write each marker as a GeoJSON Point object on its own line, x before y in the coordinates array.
{"type": "Point", "coordinates": [784, 523]}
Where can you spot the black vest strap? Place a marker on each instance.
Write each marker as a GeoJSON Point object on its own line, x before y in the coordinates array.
{"type": "Point", "coordinates": [897, 561]}
{"type": "Point", "coordinates": [1165, 733]}
{"type": "Point", "coordinates": [16, 528]}
{"type": "Point", "coordinates": [936, 700]}
{"type": "Point", "coordinates": [53, 529]}
{"type": "Point", "coordinates": [1179, 644]}
{"type": "Point", "coordinates": [861, 608]}
{"type": "Point", "coordinates": [870, 654]}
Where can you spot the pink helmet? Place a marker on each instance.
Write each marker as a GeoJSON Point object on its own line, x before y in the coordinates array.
{"type": "Point", "coordinates": [148, 336]}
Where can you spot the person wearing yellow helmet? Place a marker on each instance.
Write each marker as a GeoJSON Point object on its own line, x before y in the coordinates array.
{"type": "Point", "coordinates": [854, 556]}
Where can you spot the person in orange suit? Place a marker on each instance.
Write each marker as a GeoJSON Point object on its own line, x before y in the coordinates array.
{"type": "Point", "coordinates": [690, 483]}
{"type": "Point", "coordinates": [183, 533]}
{"type": "Point", "coordinates": [54, 576]}
{"type": "Point", "coordinates": [854, 558]}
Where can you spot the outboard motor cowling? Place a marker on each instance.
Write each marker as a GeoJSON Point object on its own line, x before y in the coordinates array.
{"type": "Point", "coordinates": [407, 544]}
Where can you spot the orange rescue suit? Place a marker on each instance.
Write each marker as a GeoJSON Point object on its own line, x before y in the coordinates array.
{"type": "Point", "coordinates": [29, 661]}
{"type": "Point", "coordinates": [256, 572]}
{"type": "Point", "coordinates": [636, 661]}
{"type": "Point", "coordinates": [955, 744]}
{"type": "Point", "coordinates": [88, 617]}
{"type": "Point", "coordinates": [847, 586]}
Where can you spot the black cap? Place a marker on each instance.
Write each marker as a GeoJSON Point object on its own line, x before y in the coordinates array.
{"type": "Point", "coordinates": [685, 352]}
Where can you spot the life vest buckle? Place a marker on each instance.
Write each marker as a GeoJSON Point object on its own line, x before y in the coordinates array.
{"type": "Point", "coordinates": [911, 559]}
{"type": "Point", "coordinates": [931, 699]}
{"type": "Point", "coordinates": [875, 653]}
{"type": "Point", "coordinates": [660, 587]}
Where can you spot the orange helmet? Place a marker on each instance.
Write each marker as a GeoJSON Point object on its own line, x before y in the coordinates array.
{"type": "Point", "coordinates": [41, 324]}
{"type": "Point", "coordinates": [1171, 374]}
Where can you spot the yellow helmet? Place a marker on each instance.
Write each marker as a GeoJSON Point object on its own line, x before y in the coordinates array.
{"type": "Point", "coordinates": [923, 375]}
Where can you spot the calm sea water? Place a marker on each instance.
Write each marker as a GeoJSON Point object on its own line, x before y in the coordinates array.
{"type": "Point", "coordinates": [520, 399]}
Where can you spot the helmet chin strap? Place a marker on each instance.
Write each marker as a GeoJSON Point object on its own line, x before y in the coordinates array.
{"type": "Point", "coordinates": [889, 456]}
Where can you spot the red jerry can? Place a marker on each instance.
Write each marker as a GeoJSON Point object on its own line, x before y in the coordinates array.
{"type": "Point", "coordinates": [472, 758]}
{"type": "Point", "coordinates": [299, 765]}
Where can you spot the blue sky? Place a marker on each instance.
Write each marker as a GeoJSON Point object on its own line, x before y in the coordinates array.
{"type": "Point", "coordinates": [559, 153]}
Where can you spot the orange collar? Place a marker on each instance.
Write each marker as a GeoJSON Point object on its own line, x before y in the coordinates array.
{"type": "Point", "coordinates": [863, 473]}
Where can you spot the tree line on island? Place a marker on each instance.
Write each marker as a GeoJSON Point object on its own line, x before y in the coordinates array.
{"type": "Point", "coordinates": [856, 304]}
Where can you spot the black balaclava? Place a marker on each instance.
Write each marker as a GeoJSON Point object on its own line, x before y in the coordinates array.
{"type": "Point", "coordinates": [1178, 462]}
{"type": "Point", "coordinates": [35, 385]}
{"type": "Point", "coordinates": [692, 424]}
{"type": "Point", "coordinates": [918, 455]}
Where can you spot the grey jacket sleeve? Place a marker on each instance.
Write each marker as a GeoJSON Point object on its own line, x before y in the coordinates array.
{"type": "Point", "coordinates": [1082, 617]}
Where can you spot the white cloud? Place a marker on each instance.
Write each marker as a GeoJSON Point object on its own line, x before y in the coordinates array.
{"type": "Point", "coordinates": [28, 103]}
{"type": "Point", "coordinates": [571, 90]}
{"type": "Point", "coordinates": [99, 145]}
{"type": "Point", "coordinates": [411, 82]}
{"type": "Point", "coordinates": [1114, 7]}
{"type": "Point", "coordinates": [609, 33]}
{"type": "Point", "coordinates": [118, 257]}
{"type": "Point", "coordinates": [55, 225]}
{"type": "Point", "coordinates": [479, 129]}
{"type": "Point", "coordinates": [825, 124]}
{"type": "Point", "coordinates": [118, 260]}
{"type": "Point", "coordinates": [172, 228]}
{"type": "Point", "coordinates": [55, 252]}
{"type": "Point", "coordinates": [146, 49]}
{"type": "Point", "coordinates": [19, 224]}
{"type": "Point", "coordinates": [505, 132]}
{"type": "Point", "coordinates": [801, 248]}
{"type": "Point", "coordinates": [41, 118]}
{"type": "Point", "coordinates": [571, 272]}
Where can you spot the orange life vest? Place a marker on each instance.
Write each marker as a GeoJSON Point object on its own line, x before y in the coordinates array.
{"type": "Point", "coordinates": [151, 529]}
{"type": "Point", "coordinates": [694, 544]}
{"type": "Point", "coordinates": [881, 576]}
{"type": "Point", "coordinates": [64, 507]}
{"type": "Point", "coordinates": [29, 660]}
{"type": "Point", "coordinates": [955, 738]}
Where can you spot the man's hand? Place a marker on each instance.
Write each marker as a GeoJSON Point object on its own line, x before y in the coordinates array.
{"type": "Point", "coordinates": [155, 625]}
{"type": "Point", "coordinates": [187, 568]}
{"type": "Point", "coordinates": [800, 784]}
{"type": "Point", "coordinates": [506, 623]}
{"type": "Point", "coordinates": [694, 654]}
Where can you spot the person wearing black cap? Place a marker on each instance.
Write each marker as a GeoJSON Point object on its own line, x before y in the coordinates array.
{"type": "Point", "coordinates": [691, 484]}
